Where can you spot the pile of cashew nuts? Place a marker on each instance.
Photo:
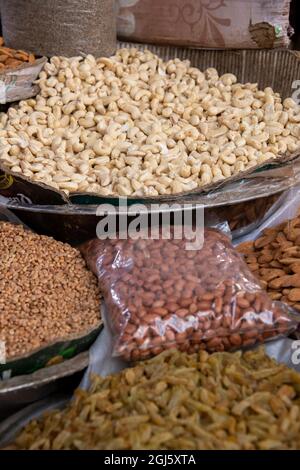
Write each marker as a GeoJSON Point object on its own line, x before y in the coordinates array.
{"type": "Point", "coordinates": [134, 125]}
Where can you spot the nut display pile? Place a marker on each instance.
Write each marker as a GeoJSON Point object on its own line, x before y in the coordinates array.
{"type": "Point", "coordinates": [275, 258]}
{"type": "Point", "coordinates": [134, 125]}
{"type": "Point", "coordinates": [160, 295]}
{"type": "Point", "coordinates": [11, 58]}
{"type": "Point", "coordinates": [47, 292]}
{"type": "Point", "coordinates": [179, 401]}
{"type": "Point", "coordinates": [247, 213]}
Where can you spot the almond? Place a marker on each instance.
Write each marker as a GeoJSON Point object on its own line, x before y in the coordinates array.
{"type": "Point", "coordinates": [6, 51]}
{"type": "Point", "coordinates": [295, 267]}
{"type": "Point", "coordinates": [265, 258]}
{"type": "Point", "coordinates": [246, 247]}
{"type": "Point", "coordinates": [289, 260]}
{"type": "Point", "coordinates": [275, 295]}
{"type": "Point", "coordinates": [254, 266]}
{"type": "Point", "coordinates": [294, 295]}
{"type": "Point", "coordinates": [269, 274]}
{"type": "Point", "coordinates": [265, 240]}
{"type": "Point", "coordinates": [21, 55]}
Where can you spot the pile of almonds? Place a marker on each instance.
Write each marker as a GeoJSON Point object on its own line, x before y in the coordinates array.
{"type": "Point", "coordinates": [275, 258]}
{"type": "Point", "coordinates": [47, 292]}
{"type": "Point", "coordinates": [11, 58]}
{"type": "Point", "coordinates": [246, 213]}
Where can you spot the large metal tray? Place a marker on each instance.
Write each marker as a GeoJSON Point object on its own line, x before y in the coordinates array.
{"type": "Point", "coordinates": [17, 392]}
{"type": "Point", "coordinates": [243, 204]}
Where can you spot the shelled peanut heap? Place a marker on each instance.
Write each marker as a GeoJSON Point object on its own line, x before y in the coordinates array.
{"type": "Point", "coordinates": [11, 58]}
{"type": "Point", "coordinates": [133, 125]}
{"type": "Point", "coordinates": [159, 295]}
{"type": "Point", "coordinates": [275, 258]}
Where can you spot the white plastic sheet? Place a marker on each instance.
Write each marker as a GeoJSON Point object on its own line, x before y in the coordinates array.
{"type": "Point", "coordinates": [101, 362]}
{"type": "Point", "coordinates": [287, 209]}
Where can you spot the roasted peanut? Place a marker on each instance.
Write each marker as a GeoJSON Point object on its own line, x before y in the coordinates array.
{"type": "Point", "coordinates": [160, 297]}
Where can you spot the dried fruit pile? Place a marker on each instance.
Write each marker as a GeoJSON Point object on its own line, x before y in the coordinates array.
{"type": "Point", "coordinates": [47, 292]}
{"type": "Point", "coordinates": [11, 58]}
{"type": "Point", "coordinates": [180, 401]}
{"type": "Point", "coordinates": [275, 258]}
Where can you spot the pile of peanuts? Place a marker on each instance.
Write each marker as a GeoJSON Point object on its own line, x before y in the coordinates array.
{"type": "Point", "coordinates": [160, 295]}
{"type": "Point", "coordinates": [11, 58]}
{"type": "Point", "coordinates": [275, 258]}
{"type": "Point", "coordinates": [47, 292]}
{"type": "Point", "coordinates": [134, 125]}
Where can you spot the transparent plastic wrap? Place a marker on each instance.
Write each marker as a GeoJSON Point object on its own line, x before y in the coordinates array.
{"type": "Point", "coordinates": [272, 252]}
{"type": "Point", "coordinates": [287, 209]}
{"type": "Point", "coordinates": [162, 294]}
{"type": "Point", "coordinates": [18, 84]}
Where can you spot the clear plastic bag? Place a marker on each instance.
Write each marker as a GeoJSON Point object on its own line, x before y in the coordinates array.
{"type": "Point", "coordinates": [160, 295]}
{"type": "Point", "coordinates": [19, 84]}
{"type": "Point", "coordinates": [287, 209]}
{"type": "Point", "coordinates": [272, 252]}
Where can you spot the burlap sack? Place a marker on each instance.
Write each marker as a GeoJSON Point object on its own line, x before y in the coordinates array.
{"type": "Point", "coordinates": [60, 27]}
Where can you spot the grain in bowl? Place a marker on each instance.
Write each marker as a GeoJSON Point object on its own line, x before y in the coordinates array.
{"type": "Point", "coordinates": [47, 292]}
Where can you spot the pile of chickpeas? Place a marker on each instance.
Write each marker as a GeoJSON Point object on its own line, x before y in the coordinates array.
{"type": "Point", "coordinates": [133, 125]}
